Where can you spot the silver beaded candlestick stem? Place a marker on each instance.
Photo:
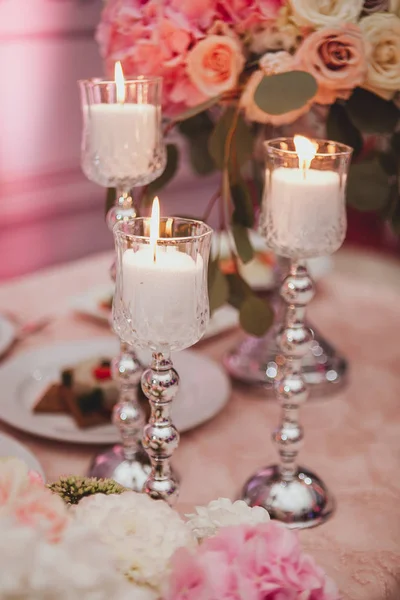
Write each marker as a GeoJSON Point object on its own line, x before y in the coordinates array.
{"type": "Point", "coordinates": [303, 216]}
{"type": "Point", "coordinates": [291, 493]}
{"type": "Point", "coordinates": [160, 437]}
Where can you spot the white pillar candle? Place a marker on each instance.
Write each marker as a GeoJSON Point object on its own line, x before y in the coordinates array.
{"type": "Point", "coordinates": [122, 137]}
{"type": "Point", "coordinates": [162, 296]}
{"type": "Point", "coordinates": [304, 210]}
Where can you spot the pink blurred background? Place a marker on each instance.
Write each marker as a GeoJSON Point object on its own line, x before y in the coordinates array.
{"type": "Point", "coordinates": [49, 212]}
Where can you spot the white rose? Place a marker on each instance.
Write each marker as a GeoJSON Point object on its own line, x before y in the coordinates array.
{"type": "Point", "coordinates": [270, 63]}
{"type": "Point", "coordinates": [142, 533]}
{"type": "Point", "coordinates": [320, 13]}
{"type": "Point", "coordinates": [223, 513]}
{"type": "Point", "coordinates": [274, 37]}
{"type": "Point", "coordinates": [382, 31]}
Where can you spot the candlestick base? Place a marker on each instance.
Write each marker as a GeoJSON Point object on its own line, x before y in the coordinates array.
{"type": "Point", "coordinates": [254, 362]}
{"type": "Point", "coordinates": [112, 464]}
{"type": "Point", "coordinates": [301, 503]}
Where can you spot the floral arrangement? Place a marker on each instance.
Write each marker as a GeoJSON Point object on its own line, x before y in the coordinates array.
{"type": "Point", "coordinates": [127, 546]}
{"type": "Point", "coordinates": [237, 71]}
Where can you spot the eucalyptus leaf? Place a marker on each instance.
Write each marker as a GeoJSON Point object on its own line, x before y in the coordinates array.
{"type": "Point", "coordinates": [284, 92]}
{"type": "Point", "coordinates": [167, 175]}
{"type": "Point", "coordinates": [243, 213]}
{"type": "Point", "coordinates": [367, 186]}
{"type": "Point", "coordinates": [370, 113]}
{"type": "Point", "coordinates": [340, 128]}
{"type": "Point", "coordinates": [242, 243]}
{"type": "Point", "coordinates": [218, 289]}
{"type": "Point", "coordinates": [239, 290]}
{"type": "Point", "coordinates": [199, 123]}
{"type": "Point", "coordinates": [242, 142]}
{"type": "Point", "coordinates": [200, 159]}
{"type": "Point", "coordinates": [195, 110]}
{"type": "Point", "coordinates": [111, 197]}
{"type": "Point", "coordinates": [256, 316]}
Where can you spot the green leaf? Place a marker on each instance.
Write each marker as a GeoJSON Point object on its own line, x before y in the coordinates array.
{"type": "Point", "coordinates": [167, 175]}
{"type": "Point", "coordinates": [201, 122]}
{"type": "Point", "coordinates": [111, 196]}
{"type": "Point", "coordinates": [239, 290]}
{"type": "Point", "coordinates": [199, 154]}
{"type": "Point", "coordinates": [370, 113]}
{"type": "Point", "coordinates": [195, 110]}
{"type": "Point", "coordinates": [367, 186]}
{"type": "Point", "coordinates": [241, 147]}
{"type": "Point", "coordinates": [218, 289]}
{"type": "Point", "coordinates": [242, 242]}
{"type": "Point", "coordinates": [281, 93]}
{"type": "Point", "coordinates": [242, 201]}
{"type": "Point", "coordinates": [256, 316]}
{"type": "Point", "coordinates": [340, 128]}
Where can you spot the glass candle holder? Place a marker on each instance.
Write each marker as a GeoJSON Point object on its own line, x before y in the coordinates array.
{"type": "Point", "coordinates": [161, 303]}
{"type": "Point", "coordinates": [303, 216]}
{"type": "Point", "coordinates": [123, 147]}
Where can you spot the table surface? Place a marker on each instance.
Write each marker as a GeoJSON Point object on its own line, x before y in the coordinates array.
{"type": "Point", "coordinates": [352, 439]}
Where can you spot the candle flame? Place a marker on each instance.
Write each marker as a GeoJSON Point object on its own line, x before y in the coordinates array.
{"type": "Point", "coordinates": [168, 228]}
{"type": "Point", "coordinates": [119, 82]}
{"type": "Point", "coordinates": [306, 150]}
{"type": "Point", "coordinates": [155, 226]}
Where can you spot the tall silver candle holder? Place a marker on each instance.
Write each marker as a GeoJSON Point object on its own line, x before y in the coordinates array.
{"type": "Point", "coordinates": [303, 216]}
{"type": "Point", "coordinates": [161, 304]}
{"type": "Point", "coordinates": [122, 147]}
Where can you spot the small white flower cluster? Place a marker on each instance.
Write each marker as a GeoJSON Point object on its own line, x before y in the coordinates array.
{"type": "Point", "coordinates": [223, 513]}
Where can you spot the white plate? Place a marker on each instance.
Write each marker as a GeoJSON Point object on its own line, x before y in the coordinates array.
{"type": "Point", "coordinates": [7, 334]}
{"type": "Point", "coordinates": [89, 304]}
{"type": "Point", "coordinates": [11, 448]}
{"type": "Point", "coordinates": [204, 390]}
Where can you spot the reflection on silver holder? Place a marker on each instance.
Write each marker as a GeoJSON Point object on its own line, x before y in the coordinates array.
{"type": "Point", "coordinates": [258, 361]}
{"type": "Point", "coordinates": [160, 437]}
{"type": "Point", "coordinates": [290, 493]}
{"type": "Point", "coordinates": [128, 464]}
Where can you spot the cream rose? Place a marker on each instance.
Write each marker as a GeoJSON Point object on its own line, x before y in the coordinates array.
{"type": "Point", "coordinates": [270, 64]}
{"type": "Point", "coordinates": [215, 64]}
{"type": "Point", "coordinates": [382, 31]}
{"type": "Point", "coordinates": [321, 13]}
{"type": "Point", "coordinates": [337, 58]}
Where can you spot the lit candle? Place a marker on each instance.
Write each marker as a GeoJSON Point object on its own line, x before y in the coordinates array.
{"type": "Point", "coordinates": [160, 290]}
{"type": "Point", "coordinates": [304, 206]}
{"type": "Point", "coordinates": [123, 135]}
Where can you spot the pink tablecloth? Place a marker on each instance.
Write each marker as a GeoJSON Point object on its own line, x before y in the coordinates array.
{"type": "Point", "coordinates": [353, 439]}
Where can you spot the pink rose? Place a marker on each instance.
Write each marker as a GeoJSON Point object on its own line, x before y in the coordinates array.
{"type": "Point", "coordinates": [38, 507]}
{"type": "Point", "coordinates": [35, 477]}
{"type": "Point", "coordinates": [215, 63]}
{"type": "Point", "coordinates": [337, 58]}
{"type": "Point", "coordinates": [249, 563]}
{"type": "Point", "coordinates": [13, 481]}
{"type": "Point", "coordinates": [270, 64]}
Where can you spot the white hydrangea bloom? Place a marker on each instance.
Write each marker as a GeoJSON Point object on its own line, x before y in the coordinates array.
{"type": "Point", "coordinates": [223, 513]}
{"type": "Point", "coordinates": [78, 566]}
{"type": "Point", "coordinates": [142, 533]}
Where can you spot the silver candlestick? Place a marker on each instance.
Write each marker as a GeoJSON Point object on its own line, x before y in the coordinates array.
{"type": "Point", "coordinates": [161, 304]}
{"type": "Point", "coordinates": [160, 437]}
{"type": "Point", "coordinates": [123, 147]}
{"type": "Point", "coordinates": [303, 216]}
{"type": "Point", "coordinates": [291, 493]}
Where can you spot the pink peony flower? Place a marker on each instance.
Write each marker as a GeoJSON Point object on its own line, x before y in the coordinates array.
{"type": "Point", "coordinates": [247, 13]}
{"type": "Point", "coordinates": [215, 63]}
{"type": "Point", "coordinates": [35, 477]}
{"type": "Point", "coordinates": [263, 562]}
{"type": "Point", "coordinates": [39, 508]}
{"type": "Point", "coordinates": [337, 58]}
